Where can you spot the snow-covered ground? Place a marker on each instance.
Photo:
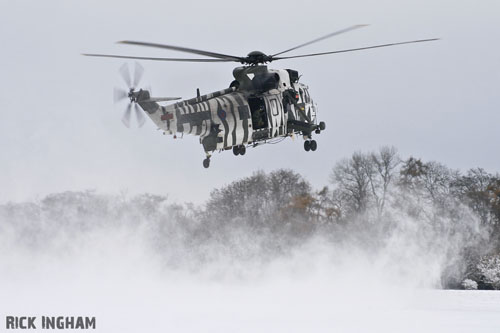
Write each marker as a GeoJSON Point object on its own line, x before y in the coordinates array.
{"type": "Point", "coordinates": [310, 308]}
{"type": "Point", "coordinates": [129, 285]}
{"type": "Point", "coordinates": [179, 303]}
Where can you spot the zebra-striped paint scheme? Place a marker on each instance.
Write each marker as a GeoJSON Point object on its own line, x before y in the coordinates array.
{"type": "Point", "coordinates": [223, 119]}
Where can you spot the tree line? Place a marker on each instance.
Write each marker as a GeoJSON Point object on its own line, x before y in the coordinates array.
{"type": "Point", "coordinates": [371, 199]}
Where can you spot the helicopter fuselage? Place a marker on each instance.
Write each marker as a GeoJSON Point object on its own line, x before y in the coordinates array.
{"type": "Point", "coordinates": [261, 104]}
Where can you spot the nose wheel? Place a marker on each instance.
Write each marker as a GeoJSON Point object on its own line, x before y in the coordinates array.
{"type": "Point", "coordinates": [206, 162]}
{"type": "Point", "coordinates": [310, 145]}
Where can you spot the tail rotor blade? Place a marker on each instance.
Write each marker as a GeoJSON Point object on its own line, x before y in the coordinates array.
{"type": "Point", "coordinates": [140, 117]}
{"type": "Point", "coordinates": [126, 116]}
{"type": "Point", "coordinates": [139, 70]}
{"type": "Point", "coordinates": [119, 94]}
{"type": "Point", "coordinates": [126, 74]}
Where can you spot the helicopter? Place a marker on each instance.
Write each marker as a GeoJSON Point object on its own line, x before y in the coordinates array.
{"type": "Point", "coordinates": [261, 105]}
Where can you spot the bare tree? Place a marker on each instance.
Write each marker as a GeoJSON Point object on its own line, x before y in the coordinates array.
{"type": "Point", "coordinates": [380, 170]}
{"type": "Point", "coordinates": [481, 190]}
{"type": "Point", "coordinates": [411, 173]}
{"type": "Point", "coordinates": [364, 179]}
{"type": "Point", "coordinates": [437, 181]}
{"type": "Point", "coordinates": [350, 178]}
{"type": "Point", "coordinates": [327, 206]}
{"type": "Point", "coordinates": [260, 199]}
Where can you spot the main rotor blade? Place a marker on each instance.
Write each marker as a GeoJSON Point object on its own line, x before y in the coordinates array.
{"type": "Point", "coordinates": [357, 49]}
{"type": "Point", "coordinates": [139, 70]}
{"type": "Point", "coordinates": [156, 59]}
{"type": "Point", "coordinates": [126, 115]}
{"type": "Point", "coordinates": [138, 114]}
{"type": "Point", "coordinates": [119, 94]}
{"type": "Point", "coordinates": [126, 75]}
{"type": "Point", "coordinates": [324, 37]}
{"type": "Point", "coordinates": [184, 49]}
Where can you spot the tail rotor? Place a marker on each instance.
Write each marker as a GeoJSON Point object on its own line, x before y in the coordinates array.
{"type": "Point", "coordinates": [120, 94]}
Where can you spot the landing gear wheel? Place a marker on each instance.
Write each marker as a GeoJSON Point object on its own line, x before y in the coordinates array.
{"type": "Point", "coordinates": [322, 125]}
{"type": "Point", "coordinates": [314, 145]}
{"type": "Point", "coordinates": [242, 150]}
{"type": "Point", "coordinates": [236, 150]}
{"type": "Point", "coordinates": [307, 145]}
{"type": "Point", "coordinates": [318, 131]}
{"type": "Point", "coordinates": [206, 163]}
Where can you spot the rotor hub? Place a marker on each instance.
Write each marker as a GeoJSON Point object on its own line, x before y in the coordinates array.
{"type": "Point", "coordinates": [132, 95]}
{"type": "Point", "coordinates": [258, 57]}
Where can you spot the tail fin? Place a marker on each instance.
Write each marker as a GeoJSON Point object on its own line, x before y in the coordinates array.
{"type": "Point", "coordinates": [148, 103]}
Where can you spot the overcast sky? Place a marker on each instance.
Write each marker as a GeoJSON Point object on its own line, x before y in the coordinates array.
{"type": "Point", "coordinates": [60, 131]}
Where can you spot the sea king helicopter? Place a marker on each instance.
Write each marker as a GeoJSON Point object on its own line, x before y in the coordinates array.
{"type": "Point", "coordinates": [260, 106]}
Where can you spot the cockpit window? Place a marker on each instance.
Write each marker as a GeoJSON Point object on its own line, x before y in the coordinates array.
{"type": "Point", "coordinates": [306, 95]}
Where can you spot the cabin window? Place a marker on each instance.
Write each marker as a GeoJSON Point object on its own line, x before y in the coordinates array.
{"type": "Point", "coordinates": [274, 107]}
